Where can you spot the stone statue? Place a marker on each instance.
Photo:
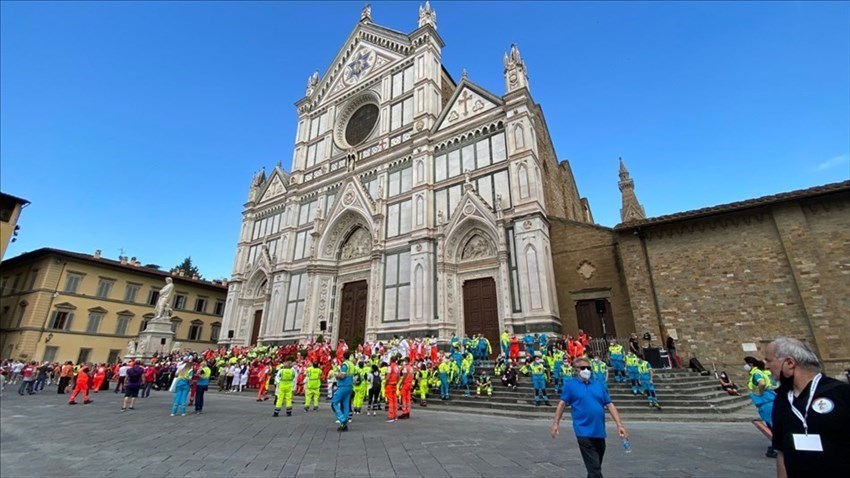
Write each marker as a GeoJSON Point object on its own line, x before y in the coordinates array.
{"type": "Point", "coordinates": [131, 348]}
{"type": "Point", "coordinates": [162, 304]}
{"type": "Point", "coordinates": [312, 83]}
{"type": "Point", "coordinates": [140, 350]}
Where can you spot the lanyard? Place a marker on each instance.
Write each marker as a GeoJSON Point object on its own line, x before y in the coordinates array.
{"type": "Point", "coordinates": [801, 416]}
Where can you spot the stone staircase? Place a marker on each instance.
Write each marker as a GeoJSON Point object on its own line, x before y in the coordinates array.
{"type": "Point", "coordinates": [681, 393]}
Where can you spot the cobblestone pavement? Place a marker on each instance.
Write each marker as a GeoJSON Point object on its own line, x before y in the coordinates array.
{"type": "Point", "coordinates": [236, 436]}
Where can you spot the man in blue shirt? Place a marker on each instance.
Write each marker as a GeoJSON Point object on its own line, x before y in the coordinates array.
{"type": "Point", "coordinates": [588, 400]}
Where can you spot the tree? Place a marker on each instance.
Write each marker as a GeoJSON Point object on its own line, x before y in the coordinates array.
{"type": "Point", "coordinates": [189, 269]}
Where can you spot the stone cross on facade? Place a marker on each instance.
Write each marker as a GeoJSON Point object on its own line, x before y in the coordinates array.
{"type": "Point", "coordinates": [463, 100]}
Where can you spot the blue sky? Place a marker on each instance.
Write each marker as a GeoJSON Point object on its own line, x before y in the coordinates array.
{"type": "Point", "coordinates": [137, 126]}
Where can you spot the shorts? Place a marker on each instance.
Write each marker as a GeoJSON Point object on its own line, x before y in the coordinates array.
{"type": "Point", "coordinates": [132, 391]}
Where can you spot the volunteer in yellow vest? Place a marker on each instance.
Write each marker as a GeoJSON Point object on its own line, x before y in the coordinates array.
{"type": "Point", "coordinates": [632, 370]}
{"type": "Point", "coordinates": [618, 365]}
{"type": "Point", "coordinates": [646, 385]}
{"type": "Point", "coordinates": [283, 392]}
{"type": "Point", "coordinates": [314, 386]}
{"type": "Point", "coordinates": [360, 387]}
{"type": "Point", "coordinates": [761, 393]}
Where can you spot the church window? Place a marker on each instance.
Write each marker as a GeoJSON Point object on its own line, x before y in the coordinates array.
{"type": "Point", "coordinates": [420, 171]}
{"type": "Point", "coordinates": [398, 218]}
{"type": "Point", "coordinates": [468, 157]}
{"type": "Point", "coordinates": [482, 153]}
{"type": "Point", "coordinates": [316, 152]}
{"type": "Point", "coordinates": [307, 212]}
{"type": "Point", "coordinates": [361, 124]}
{"type": "Point", "coordinates": [516, 305]}
{"type": "Point", "coordinates": [498, 144]}
{"type": "Point", "coordinates": [519, 136]}
{"type": "Point", "coordinates": [440, 168]}
{"type": "Point", "coordinates": [318, 125]}
{"type": "Point", "coordinates": [402, 82]}
{"type": "Point", "coordinates": [329, 202]}
{"type": "Point", "coordinates": [397, 287]}
{"type": "Point", "coordinates": [420, 211]}
{"type": "Point", "coordinates": [523, 181]}
{"type": "Point", "coordinates": [401, 114]}
{"type": "Point", "coordinates": [276, 223]}
{"type": "Point", "coordinates": [303, 242]}
{"type": "Point", "coordinates": [400, 181]}
{"type": "Point", "coordinates": [294, 312]}
{"type": "Point", "coordinates": [418, 291]}
{"type": "Point", "coordinates": [370, 184]}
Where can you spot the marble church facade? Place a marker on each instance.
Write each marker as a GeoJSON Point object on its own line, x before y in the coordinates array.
{"type": "Point", "coordinates": [416, 204]}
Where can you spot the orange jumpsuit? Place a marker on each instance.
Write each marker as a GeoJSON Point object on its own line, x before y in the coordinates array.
{"type": "Point", "coordinates": [82, 385]}
{"type": "Point", "coordinates": [263, 377]}
{"type": "Point", "coordinates": [406, 390]}
{"type": "Point", "coordinates": [390, 391]}
{"type": "Point", "coordinates": [99, 377]}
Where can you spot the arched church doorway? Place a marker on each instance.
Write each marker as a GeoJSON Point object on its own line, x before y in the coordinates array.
{"type": "Point", "coordinates": [481, 311]}
{"type": "Point", "coordinates": [352, 317]}
{"type": "Point", "coordinates": [255, 329]}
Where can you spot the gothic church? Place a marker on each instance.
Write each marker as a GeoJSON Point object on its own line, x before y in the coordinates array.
{"type": "Point", "coordinates": [416, 204]}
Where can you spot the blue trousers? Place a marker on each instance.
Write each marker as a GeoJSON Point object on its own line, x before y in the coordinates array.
{"type": "Point", "coordinates": [618, 366]}
{"type": "Point", "coordinates": [539, 389]}
{"type": "Point", "coordinates": [444, 385]}
{"type": "Point", "coordinates": [506, 349]}
{"type": "Point", "coordinates": [464, 381]}
{"type": "Point", "coordinates": [181, 396]}
{"type": "Point", "coordinates": [341, 404]}
{"type": "Point", "coordinates": [764, 405]}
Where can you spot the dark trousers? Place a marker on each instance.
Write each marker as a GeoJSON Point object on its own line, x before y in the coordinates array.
{"type": "Point", "coordinates": [119, 387]}
{"type": "Point", "coordinates": [592, 451]}
{"type": "Point", "coordinates": [200, 390]}
{"type": "Point", "coordinates": [63, 384]}
{"type": "Point", "coordinates": [146, 389]}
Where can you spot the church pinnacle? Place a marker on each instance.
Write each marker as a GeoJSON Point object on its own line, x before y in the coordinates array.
{"type": "Point", "coordinates": [516, 76]}
{"type": "Point", "coordinates": [632, 209]}
{"type": "Point", "coordinates": [427, 16]}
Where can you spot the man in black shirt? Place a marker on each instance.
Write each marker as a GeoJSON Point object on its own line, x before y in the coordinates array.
{"type": "Point", "coordinates": [811, 414]}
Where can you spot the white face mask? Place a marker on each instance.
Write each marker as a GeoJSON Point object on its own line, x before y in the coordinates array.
{"type": "Point", "coordinates": [747, 367]}
{"type": "Point", "coordinates": [585, 374]}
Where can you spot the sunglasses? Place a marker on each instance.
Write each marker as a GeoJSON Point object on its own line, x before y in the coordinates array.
{"type": "Point", "coordinates": [585, 367]}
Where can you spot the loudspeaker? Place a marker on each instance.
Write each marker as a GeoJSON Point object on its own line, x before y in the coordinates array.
{"type": "Point", "coordinates": [229, 334]}
{"type": "Point", "coordinates": [601, 307]}
{"type": "Point", "coordinates": [653, 356]}
{"type": "Point", "coordinates": [323, 325]}
{"type": "Point", "coordinates": [162, 341]}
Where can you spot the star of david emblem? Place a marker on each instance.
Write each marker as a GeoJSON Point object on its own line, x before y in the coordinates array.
{"type": "Point", "coordinates": [358, 66]}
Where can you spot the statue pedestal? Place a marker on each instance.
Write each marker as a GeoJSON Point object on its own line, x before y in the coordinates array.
{"type": "Point", "coordinates": [156, 338]}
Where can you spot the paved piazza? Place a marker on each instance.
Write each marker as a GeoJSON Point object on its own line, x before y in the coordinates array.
{"type": "Point", "coordinates": [236, 436]}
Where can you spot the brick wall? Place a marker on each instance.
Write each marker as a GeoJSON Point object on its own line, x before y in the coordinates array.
{"type": "Point", "coordinates": [745, 277]}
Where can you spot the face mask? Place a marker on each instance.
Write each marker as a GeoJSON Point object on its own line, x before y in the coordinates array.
{"type": "Point", "coordinates": [585, 374]}
{"type": "Point", "coordinates": [747, 367]}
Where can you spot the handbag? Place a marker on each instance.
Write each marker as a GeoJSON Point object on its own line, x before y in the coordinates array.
{"type": "Point", "coordinates": [173, 387]}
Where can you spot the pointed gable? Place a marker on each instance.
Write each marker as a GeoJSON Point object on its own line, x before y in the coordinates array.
{"type": "Point", "coordinates": [274, 187]}
{"type": "Point", "coordinates": [467, 101]}
{"type": "Point", "coordinates": [368, 50]}
{"type": "Point", "coordinates": [471, 218]}
{"type": "Point", "coordinates": [351, 195]}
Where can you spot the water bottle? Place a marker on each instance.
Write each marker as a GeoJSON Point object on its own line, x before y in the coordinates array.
{"type": "Point", "coordinates": [627, 445]}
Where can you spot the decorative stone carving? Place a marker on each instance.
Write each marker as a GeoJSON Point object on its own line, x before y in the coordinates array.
{"type": "Point", "coordinates": [476, 248]}
{"type": "Point", "coordinates": [427, 16]}
{"type": "Point", "coordinates": [359, 244]}
{"type": "Point", "coordinates": [586, 269]}
{"type": "Point", "coordinates": [348, 198]}
{"type": "Point", "coordinates": [312, 83]}
{"type": "Point", "coordinates": [420, 125]}
{"type": "Point", "coordinates": [526, 225]}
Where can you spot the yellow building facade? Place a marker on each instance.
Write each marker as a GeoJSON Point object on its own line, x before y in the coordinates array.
{"type": "Point", "coordinates": [58, 305]}
{"type": "Point", "coordinates": [10, 211]}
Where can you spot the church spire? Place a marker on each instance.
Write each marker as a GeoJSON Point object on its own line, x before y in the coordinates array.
{"type": "Point", "coordinates": [366, 14]}
{"type": "Point", "coordinates": [632, 209]}
{"type": "Point", "coordinates": [516, 76]}
{"type": "Point", "coordinates": [427, 16]}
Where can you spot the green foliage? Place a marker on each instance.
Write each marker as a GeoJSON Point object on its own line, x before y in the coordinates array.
{"type": "Point", "coordinates": [188, 268]}
{"type": "Point", "coordinates": [320, 339]}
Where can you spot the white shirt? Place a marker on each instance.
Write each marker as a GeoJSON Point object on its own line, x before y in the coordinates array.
{"type": "Point", "coordinates": [122, 372]}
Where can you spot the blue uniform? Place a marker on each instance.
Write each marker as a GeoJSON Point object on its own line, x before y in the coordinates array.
{"type": "Point", "coordinates": [538, 380]}
{"type": "Point", "coordinates": [341, 404]}
{"type": "Point", "coordinates": [528, 340]}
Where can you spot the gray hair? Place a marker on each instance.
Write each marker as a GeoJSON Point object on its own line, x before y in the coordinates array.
{"type": "Point", "coordinates": [804, 356]}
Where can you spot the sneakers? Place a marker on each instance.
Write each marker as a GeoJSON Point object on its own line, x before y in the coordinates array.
{"type": "Point", "coordinates": [172, 415]}
{"type": "Point", "coordinates": [183, 414]}
{"type": "Point", "coordinates": [123, 409]}
{"type": "Point", "coordinates": [404, 416]}
{"type": "Point", "coordinates": [275, 414]}
{"type": "Point", "coordinates": [72, 403]}
{"type": "Point", "coordinates": [343, 428]}
{"type": "Point", "coordinates": [86, 402]}
{"type": "Point", "coordinates": [315, 409]}
{"type": "Point", "coordinates": [392, 420]}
